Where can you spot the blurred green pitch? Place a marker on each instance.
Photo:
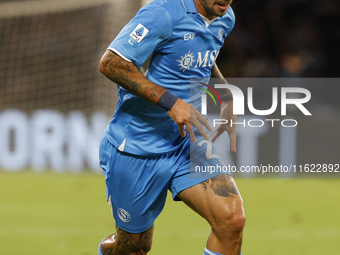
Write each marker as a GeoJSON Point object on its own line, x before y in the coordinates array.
{"type": "Point", "coordinates": [52, 214]}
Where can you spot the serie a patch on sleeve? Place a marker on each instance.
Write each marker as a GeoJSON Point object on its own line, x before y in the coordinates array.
{"type": "Point", "coordinates": [139, 33]}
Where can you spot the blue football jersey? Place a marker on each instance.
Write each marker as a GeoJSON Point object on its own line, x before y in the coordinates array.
{"type": "Point", "coordinates": [178, 45]}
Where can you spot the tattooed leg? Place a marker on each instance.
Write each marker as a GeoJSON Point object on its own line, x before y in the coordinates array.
{"type": "Point", "coordinates": [124, 243]}
{"type": "Point", "coordinates": [219, 202]}
{"type": "Point", "coordinates": [222, 185]}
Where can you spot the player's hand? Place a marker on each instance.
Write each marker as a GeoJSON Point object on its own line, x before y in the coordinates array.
{"type": "Point", "coordinates": [184, 114]}
{"type": "Point", "coordinates": [227, 114]}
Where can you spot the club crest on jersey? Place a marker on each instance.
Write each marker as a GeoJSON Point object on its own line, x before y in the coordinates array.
{"type": "Point", "coordinates": [138, 33]}
{"type": "Point", "coordinates": [221, 34]}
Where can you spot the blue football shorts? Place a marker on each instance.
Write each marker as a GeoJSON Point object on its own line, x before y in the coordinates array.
{"type": "Point", "coordinates": [136, 186]}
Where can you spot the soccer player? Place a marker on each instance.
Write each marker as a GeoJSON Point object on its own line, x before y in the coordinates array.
{"type": "Point", "coordinates": [157, 129]}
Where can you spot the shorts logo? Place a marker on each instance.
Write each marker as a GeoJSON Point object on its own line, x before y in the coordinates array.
{"type": "Point", "coordinates": [138, 33]}
{"type": "Point", "coordinates": [123, 215]}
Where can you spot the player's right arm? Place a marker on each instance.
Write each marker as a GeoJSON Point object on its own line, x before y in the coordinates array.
{"type": "Point", "coordinates": [127, 75]}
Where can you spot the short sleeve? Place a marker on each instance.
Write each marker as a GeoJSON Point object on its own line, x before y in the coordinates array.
{"type": "Point", "coordinates": [145, 33]}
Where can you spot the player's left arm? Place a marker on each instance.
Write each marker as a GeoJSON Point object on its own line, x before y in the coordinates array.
{"type": "Point", "coordinates": [226, 112]}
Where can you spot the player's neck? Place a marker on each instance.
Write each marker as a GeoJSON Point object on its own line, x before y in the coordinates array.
{"type": "Point", "coordinates": [202, 11]}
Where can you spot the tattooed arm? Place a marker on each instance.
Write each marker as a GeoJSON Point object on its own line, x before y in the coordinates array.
{"type": "Point", "coordinates": [128, 76]}
{"type": "Point", "coordinates": [226, 112]}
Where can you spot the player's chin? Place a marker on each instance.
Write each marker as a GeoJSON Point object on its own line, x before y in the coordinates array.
{"type": "Point", "coordinates": [219, 11]}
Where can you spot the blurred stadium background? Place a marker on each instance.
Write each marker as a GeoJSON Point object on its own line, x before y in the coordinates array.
{"type": "Point", "coordinates": [52, 195]}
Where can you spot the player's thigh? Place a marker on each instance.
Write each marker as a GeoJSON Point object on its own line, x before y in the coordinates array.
{"type": "Point", "coordinates": [123, 242]}
{"type": "Point", "coordinates": [216, 199]}
{"type": "Point", "coordinates": [134, 242]}
{"type": "Point", "coordinates": [142, 240]}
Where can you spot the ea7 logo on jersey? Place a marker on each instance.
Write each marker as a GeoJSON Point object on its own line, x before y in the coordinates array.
{"type": "Point", "coordinates": [202, 60]}
{"type": "Point", "coordinates": [189, 37]}
{"type": "Point", "coordinates": [138, 33]}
